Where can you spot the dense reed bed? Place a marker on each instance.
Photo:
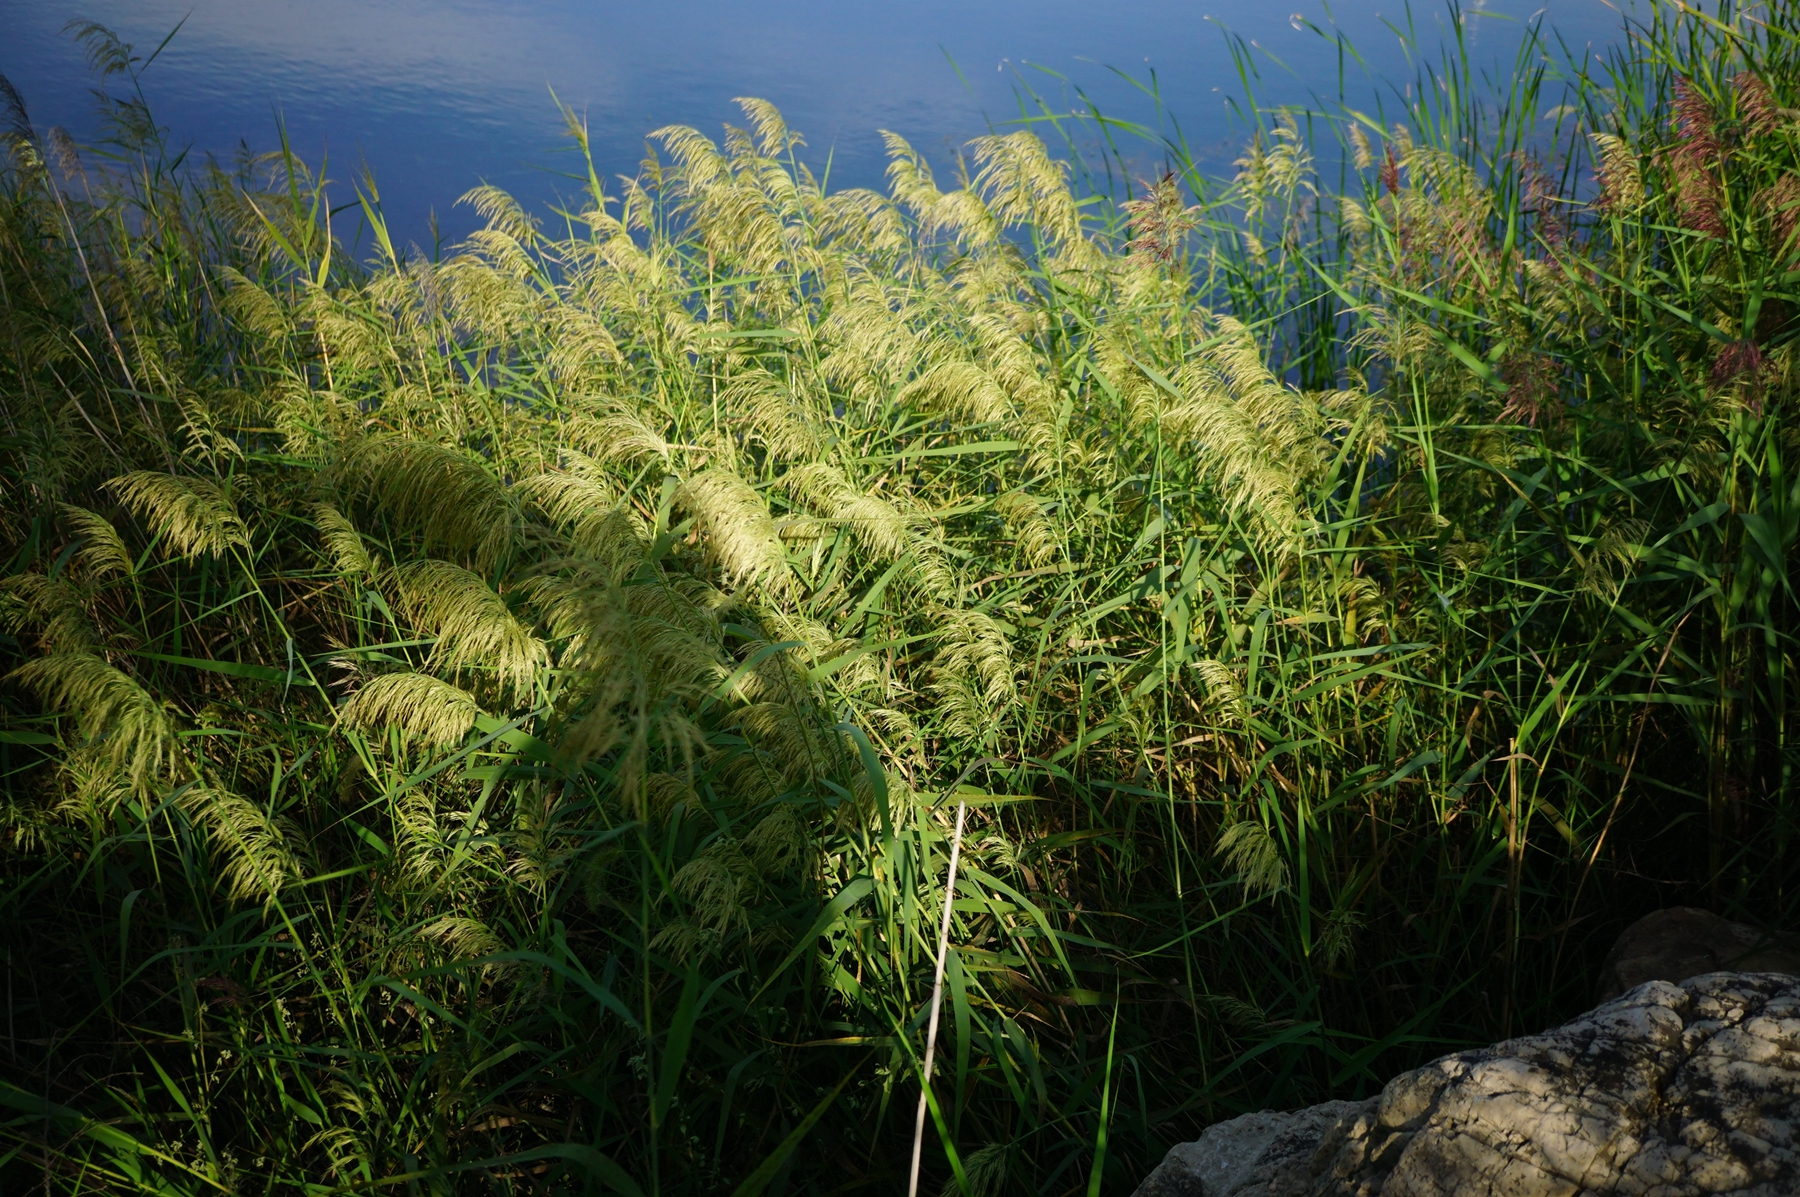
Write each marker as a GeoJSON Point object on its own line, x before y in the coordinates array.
{"type": "Point", "coordinates": [499, 723]}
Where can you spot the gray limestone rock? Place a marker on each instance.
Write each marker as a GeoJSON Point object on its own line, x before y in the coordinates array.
{"type": "Point", "coordinates": [1682, 942]}
{"type": "Point", "coordinates": [1254, 1153]}
{"type": "Point", "coordinates": [1667, 1091]}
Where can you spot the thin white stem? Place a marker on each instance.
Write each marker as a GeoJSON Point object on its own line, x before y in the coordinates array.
{"type": "Point", "coordinates": [937, 998]}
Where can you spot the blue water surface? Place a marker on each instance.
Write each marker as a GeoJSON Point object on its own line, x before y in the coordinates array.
{"type": "Point", "coordinates": [437, 95]}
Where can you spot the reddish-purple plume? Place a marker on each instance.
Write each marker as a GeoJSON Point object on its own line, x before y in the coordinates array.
{"type": "Point", "coordinates": [1693, 158]}
{"type": "Point", "coordinates": [1159, 222]}
{"type": "Point", "coordinates": [1530, 389]}
{"type": "Point", "coordinates": [1735, 359]}
{"type": "Point", "coordinates": [1541, 200]}
{"type": "Point", "coordinates": [1756, 108]}
{"type": "Point", "coordinates": [1782, 203]}
{"type": "Point", "coordinates": [1694, 121]}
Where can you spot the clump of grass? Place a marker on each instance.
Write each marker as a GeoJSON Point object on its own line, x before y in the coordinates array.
{"type": "Point", "coordinates": [497, 723]}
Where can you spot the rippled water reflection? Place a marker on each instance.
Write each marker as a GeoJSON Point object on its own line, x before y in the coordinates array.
{"type": "Point", "coordinates": [437, 95]}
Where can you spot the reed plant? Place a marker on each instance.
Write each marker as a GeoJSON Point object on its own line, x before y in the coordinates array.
{"type": "Point", "coordinates": [499, 722]}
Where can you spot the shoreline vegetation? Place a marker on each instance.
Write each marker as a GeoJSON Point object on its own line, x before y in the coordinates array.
{"type": "Point", "coordinates": [498, 724]}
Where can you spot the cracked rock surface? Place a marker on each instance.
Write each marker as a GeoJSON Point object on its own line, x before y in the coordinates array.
{"type": "Point", "coordinates": [1270, 1152]}
{"type": "Point", "coordinates": [1666, 1091]}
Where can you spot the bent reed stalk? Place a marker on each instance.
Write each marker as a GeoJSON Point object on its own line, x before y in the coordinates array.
{"type": "Point", "coordinates": [492, 723]}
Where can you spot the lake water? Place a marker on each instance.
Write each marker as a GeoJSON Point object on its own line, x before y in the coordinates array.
{"type": "Point", "coordinates": [437, 95]}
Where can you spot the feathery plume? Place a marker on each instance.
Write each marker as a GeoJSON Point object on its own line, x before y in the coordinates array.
{"type": "Point", "coordinates": [1757, 111]}
{"type": "Point", "coordinates": [1159, 223]}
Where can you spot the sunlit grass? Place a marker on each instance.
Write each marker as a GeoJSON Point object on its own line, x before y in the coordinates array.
{"type": "Point", "coordinates": [496, 723]}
